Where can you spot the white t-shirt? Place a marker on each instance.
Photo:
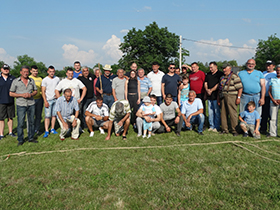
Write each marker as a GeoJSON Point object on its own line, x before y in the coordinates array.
{"type": "Point", "coordinates": [50, 84]}
{"type": "Point", "coordinates": [103, 111]}
{"type": "Point", "coordinates": [156, 82]}
{"type": "Point", "coordinates": [74, 84]}
{"type": "Point", "coordinates": [157, 108]}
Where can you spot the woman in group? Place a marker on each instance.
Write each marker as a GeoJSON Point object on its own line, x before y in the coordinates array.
{"type": "Point", "coordinates": [132, 94]}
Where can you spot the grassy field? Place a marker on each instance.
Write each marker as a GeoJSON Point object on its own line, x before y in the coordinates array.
{"type": "Point", "coordinates": [163, 172]}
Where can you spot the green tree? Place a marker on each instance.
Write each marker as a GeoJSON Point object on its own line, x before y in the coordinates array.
{"type": "Point", "coordinates": [152, 44]}
{"type": "Point", "coordinates": [26, 60]}
{"type": "Point", "coordinates": [1, 63]}
{"type": "Point", "coordinates": [267, 50]}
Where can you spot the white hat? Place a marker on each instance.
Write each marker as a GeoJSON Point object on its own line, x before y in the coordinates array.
{"type": "Point", "coordinates": [107, 67]}
{"type": "Point", "coordinates": [146, 99]}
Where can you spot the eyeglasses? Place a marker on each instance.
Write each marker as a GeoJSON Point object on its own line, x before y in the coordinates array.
{"type": "Point", "coordinates": [250, 63]}
{"type": "Point", "coordinates": [172, 67]}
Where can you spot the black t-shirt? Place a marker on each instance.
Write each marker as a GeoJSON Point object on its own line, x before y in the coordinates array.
{"type": "Point", "coordinates": [88, 82]}
{"type": "Point", "coordinates": [212, 80]}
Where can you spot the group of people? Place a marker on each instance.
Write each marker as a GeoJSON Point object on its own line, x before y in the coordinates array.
{"type": "Point", "coordinates": [151, 103]}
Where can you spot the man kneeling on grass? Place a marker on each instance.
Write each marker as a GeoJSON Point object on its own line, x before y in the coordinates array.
{"type": "Point", "coordinates": [250, 120]}
{"type": "Point", "coordinates": [120, 117]}
{"type": "Point", "coordinates": [65, 105]}
{"type": "Point", "coordinates": [97, 115]}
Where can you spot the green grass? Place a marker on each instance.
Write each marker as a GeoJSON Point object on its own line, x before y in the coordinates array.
{"type": "Point", "coordinates": [221, 176]}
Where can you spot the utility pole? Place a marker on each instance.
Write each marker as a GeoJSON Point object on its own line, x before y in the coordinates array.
{"type": "Point", "coordinates": [180, 54]}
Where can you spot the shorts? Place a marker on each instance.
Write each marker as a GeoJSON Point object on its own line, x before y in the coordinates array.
{"type": "Point", "coordinates": [7, 111]}
{"type": "Point", "coordinates": [50, 111]}
{"type": "Point", "coordinates": [250, 128]}
{"type": "Point", "coordinates": [147, 125]}
{"type": "Point", "coordinates": [98, 123]}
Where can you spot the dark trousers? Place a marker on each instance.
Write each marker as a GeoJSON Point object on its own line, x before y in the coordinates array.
{"type": "Point", "coordinates": [85, 103]}
{"type": "Point", "coordinates": [171, 123]}
{"type": "Point", "coordinates": [132, 99]}
{"type": "Point", "coordinates": [265, 114]}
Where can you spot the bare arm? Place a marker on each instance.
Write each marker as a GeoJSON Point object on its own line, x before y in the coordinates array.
{"type": "Point", "coordinates": [125, 89]}
{"type": "Point", "coordinates": [139, 92]}
{"type": "Point", "coordinates": [149, 91]}
{"type": "Point", "coordinates": [162, 90]}
{"type": "Point", "coordinates": [57, 93]}
{"type": "Point", "coordinates": [83, 94]}
{"type": "Point", "coordinates": [271, 97]}
{"type": "Point", "coordinates": [114, 94]}
{"type": "Point", "coordinates": [65, 124]}
{"type": "Point", "coordinates": [261, 101]}
{"type": "Point", "coordinates": [238, 96]}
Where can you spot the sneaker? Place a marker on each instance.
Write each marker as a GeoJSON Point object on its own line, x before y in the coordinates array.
{"type": "Point", "coordinates": [62, 138]}
{"type": "Point", "coordinates": [81, 130]}
{"type": "Point", "coordinates": [200, 133]}
{"type": "Point", "coordinates": [91, 134]}
{"type": "Point", "coordinates": [215, 130]}
{"type": "Point", "coordinates": [12, 135]}
{"type": "Point", "coordinates": [20, 143]}
{"type": "Point", "coordinates": [223, 132]}
{"type": "Point", "coordinates": [245, 135]}
{"type": "Point", "coordinates": [149, 136]}
{"type": "Point", "coordinates": [46, 134]}
{"type": "Point", "coordinates": [1, 137]}
{"type": "Point", "coordinates": [74, 138]}
{"type": "Point", "coordinates": [139, 135]}
{"type": "Point", "coordinates": [178, 134]}
{"type": "Point", "coordinates": [153, 134]}
{"type": "Point", "coordinates": [101, 131]}
{"type": "Point", "coordinates": [210, 129]}
{"type": "Point", "coordinates": [33, 141]}
{"type": "Point", "coordinates": [53, 131]}
{"type": "Point", "coordinates": [235, 134]}
{"type": "Point", "coordinates": [144, 136]}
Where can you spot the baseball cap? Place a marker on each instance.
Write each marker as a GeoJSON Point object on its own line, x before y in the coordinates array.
{"type": "Point", "coordinates": [6, 66]}
{"type": "Point", "coordinates": [269, 62]}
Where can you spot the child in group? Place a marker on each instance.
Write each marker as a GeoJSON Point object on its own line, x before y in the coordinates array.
{"type": "Point", "coordinates": [147, 110]}
{"type": "Point", "coordinates": [250, 121]}
{"type": "Point", "coordinates": [184, 90]}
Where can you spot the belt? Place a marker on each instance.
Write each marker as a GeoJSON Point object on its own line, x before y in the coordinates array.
{"type": "Point", "coordinates": [108, 94]}
{"type": "Point", "coordinates": [252, 94]}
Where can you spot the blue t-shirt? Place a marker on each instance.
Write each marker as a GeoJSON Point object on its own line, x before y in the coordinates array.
{"type": "Point", "coordinates": [251, 82]}
{"type": "Point", "coordinates": [106, 83]}
{"type": "Point", "coordinates": [188, 109]}
{"type": "Point", "coordinates": [275, 88]}
{"type": "Point", "coordinates": [171, 84]}
{"type": "Point", "coordinates": [185, 93]}
{"type": "Point", "coordinates": [76, 75]}
{"type": "Point", "coordinates": [267, 77]}
{"type": "Point", "coordinates": [250, 118]}
{"type": "Point", "coordinates": [145, 84]}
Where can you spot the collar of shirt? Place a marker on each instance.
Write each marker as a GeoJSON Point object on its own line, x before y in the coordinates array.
{"type": "Point", "coordinates": [64, 99]}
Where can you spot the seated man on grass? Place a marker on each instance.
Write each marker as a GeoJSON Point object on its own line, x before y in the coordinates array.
{"type": "Point", "coordinates": [250, 121]}
{"type": "Point", "coordinates": [65, 105]}
{"type": "Point", "coordinates": [120, 117]}
{"type": "Point", "coordinates": [97, 115]}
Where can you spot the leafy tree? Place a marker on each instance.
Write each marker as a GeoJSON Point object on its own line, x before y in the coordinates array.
{"type": "Point", "coordinates": [267, 50]}
{"type": "Point", "coordinates": [149, 45]}
{"type": "Point", "coordinates": [26, 60]}
{"type": "Point", "coordinates": [1, 63]}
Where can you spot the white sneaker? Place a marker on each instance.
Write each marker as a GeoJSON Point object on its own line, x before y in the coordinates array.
{"type": "Point", "coordinates": [210, 129]}
{"type": "Point", "coordinates": [149, 136]}
{"type": "Point", "coordinates": [91, 134]}
{"type": "Point", "coordinates": [144, 136]}
{"type": "Point", "coordinates": [214, 130]}
{"type": "Point", "coordinates": [101, 131]}
{"type": "Point", "coordinates": [139, 135]}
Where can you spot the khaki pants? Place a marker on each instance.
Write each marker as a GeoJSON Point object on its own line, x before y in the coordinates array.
{"type": "Point", "coordinates": [75, 131]}
{"type": "Point", "coordinates": [229, 108]}
{"type": "Point", "coordinates": [273, 119]}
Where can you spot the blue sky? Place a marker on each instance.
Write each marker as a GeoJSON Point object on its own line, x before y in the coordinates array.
{"type": "Point", "coordinates": [60, 32]}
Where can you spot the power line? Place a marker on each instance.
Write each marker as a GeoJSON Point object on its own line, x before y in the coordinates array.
{"type": "Point", "coordinates": [220, 45]}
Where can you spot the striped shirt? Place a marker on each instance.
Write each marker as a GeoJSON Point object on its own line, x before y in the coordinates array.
{"type": "Point", "coordinates": [275, 88]}
{"type": "Point", "coordinates": [145, 84]}
{"type": "Point", "coordinates": [234, 84]}
{"type": "Point", "coordinates": [113, 114]}
{"type": "Point", "coordinates": [65, 108]}
{"type": "Point", "coordinates": [103, 111]}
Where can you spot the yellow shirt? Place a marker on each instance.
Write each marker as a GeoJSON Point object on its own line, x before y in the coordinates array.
{"type": "Point", "coordinates": [38, 82]}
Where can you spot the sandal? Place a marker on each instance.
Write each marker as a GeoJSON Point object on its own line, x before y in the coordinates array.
{"type": "Point", "coordinates": [124, 138]}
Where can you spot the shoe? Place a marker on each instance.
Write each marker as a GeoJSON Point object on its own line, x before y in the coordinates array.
{"type": "Point", "coordinates": [124, 138]}
{"type": "Point", "coordinates": [200, 133]}
{"type": "Point", "coordinates": [20, 143]}
{"type": "Point", "coordinates": [1, 137]}
{"type": "Point", "coordinates": [81, 130]}
{"type": "Point", "coordinates": [245, 135]}
{"type": "Point", "coordinates": [101, 131]}
{"type": "Point", "coordinates": [235, 134]}
{"type": "Point", "coordinates": [178, 134]}
{"type": "Point", "coordinates": [74, 138]}
{"type": "Point", "coordinates": [91, 134]}
{"type": "Point", "coordinates": [62, 138]}
{"type": "Point", "coordinates": [139, 135]}
{"type": "Point", "coordinates": [144, 136]}
{"type": "Point", "coordinates": [53, 131]}
{"type": "Point", "coordinates": [46, 134]}
{"type": "Point", "coordinates": [33, 141]}
{"type": "Point", "coordinates": [149, 136]}
{"type": "Point", "coordinates": [223, 132]}
{"type": "Point", "coordinates": [12, 135]}
{"type": "Point", "coordinates": [153, 134]}
{"type": "Point", "coordinates": [210, 129]}
{"type": "Point", "coordinates": [215, 130]}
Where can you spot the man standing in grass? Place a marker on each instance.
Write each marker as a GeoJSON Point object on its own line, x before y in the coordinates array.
{"type": "Point", "coordinates": [38, 98]}
{"type": "Point", "coordinates": [145, 84]}
{"type": "Point", "coordinates": [7, 105]}
{"type": "Point", "coordinates": [118, 85]}
{"type": "Point", "coordinates": [24, 89]}
{"type": "Point", "coordinates": [120, 117]}
{"type": "Point", "coordinates": [65, 107]}
{"type": "Point", "coordinates": [97, 115]}
{"type": "Point", "coordinates": [49, 84]}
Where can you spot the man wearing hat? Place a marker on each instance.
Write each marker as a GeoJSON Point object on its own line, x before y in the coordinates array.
{"type": "Point", "coordinates": [253, 83]}
{"type": "Point", "coordinates": [230, 90]}
{"type": "Point", "coordinates": [104, 87]}
{"type": "Point", "coordinates": [268, 74]}
{"type": "Point", "coordinates": [120, 117]}
{"type": "Point", "coordinates": [7, 106]}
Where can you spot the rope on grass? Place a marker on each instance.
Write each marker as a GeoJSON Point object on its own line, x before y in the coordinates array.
{"type": "Point", "coordinates": [236, 143]}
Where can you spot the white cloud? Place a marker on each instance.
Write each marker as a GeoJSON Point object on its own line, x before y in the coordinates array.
{"type": "Point", "coordinates": [247, 20]}
{"type": "Point", "coordinates": [124, 31]}
{"type": "Point", "coordinates": [8, 59]}
{"type": "Point", "coordinates": [147, 8]}
{"type": "Point", "coordinates": [111, 48]}
{"type": "Point", "coordinates": [206, 53]}
{"type": "Point", "coordinates": [252, 41]}
{"type": "Point", "coordinates": [72, 53]}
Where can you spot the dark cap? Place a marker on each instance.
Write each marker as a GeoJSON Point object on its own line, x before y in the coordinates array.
{"type": "Point", "coordinates": [225, 65]}
{"type": "Point", "coordinates": [269, 62]}
{"type": "Point", "coordinates": [6, 66]}
{"type": "Point", "coordinates": [119, 108]}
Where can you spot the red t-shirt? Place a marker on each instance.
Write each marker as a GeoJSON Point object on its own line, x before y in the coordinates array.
{"type": "Point", "coordinates": [197, 81]}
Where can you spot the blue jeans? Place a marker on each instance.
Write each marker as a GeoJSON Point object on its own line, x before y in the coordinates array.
{"type": "Point", "coordinates": [198, 119]}
{"type": "Point", "coordinates": [175, 99]}
{"type": "Point", "coordinates": [21, 112]}
{"type": "Point", "coordinates": [38, 113]}
{"type": "Point", "coordinates": [214, 114]}
{"type": "Point", "coordinates": [245, 98]}
{"type": "Point", "coordinates": [159, 100]}
{"type": "Point", "coordinates": [108, 100]}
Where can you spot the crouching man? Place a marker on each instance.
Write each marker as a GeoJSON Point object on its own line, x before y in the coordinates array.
{"type": "Point", "coordinates": [120, 117]}
{"type": "Point", "coordinates": [65, 105]}
{"type": "Point", "coordinates": [97, 115]}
